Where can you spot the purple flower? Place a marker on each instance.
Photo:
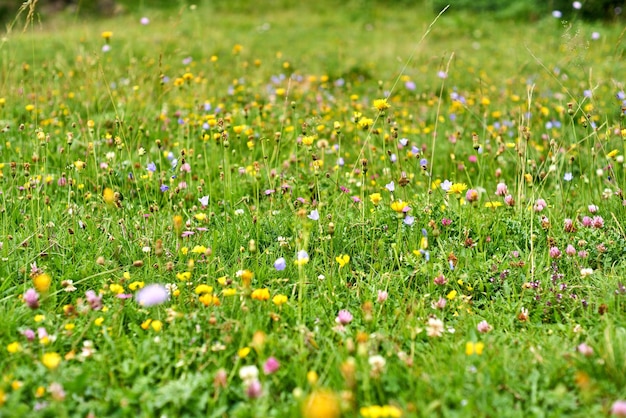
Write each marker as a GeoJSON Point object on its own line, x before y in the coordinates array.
{"type": "Point", "coordinates": [31, 298]}
{"type": "Point", "coordinates": [471, 195]}
{"type": "Point", "coordinates": [555, 252]}
{"type": "Point", "coordinates": [585, 350]}
{"type": "Point", "coordinates": [164, 188]}
{"type": "Point", "coordinates": [151, 295]}
{"type": "Point", "coordinates": [390, 186]}
{"type": "Point", "coordinates": [483, 327]}
{"type": "Point", "coordinates": [501, 189]}
{"type": "Point", "coordinates": [95, 301]}
{"type": "Point", "coordinates": [151, 167]}
{"type": "Point", "coordinates": [314, 215]}
{"type": "Point", "coordinates": [204, 201]}
{"type": "Point", "coordinates": [144, 21]}
{"type": "Point", "coordinates": [280, 264]}
{"type": "Point", "coordinates": [409, 220]}
{"type": "Point", "coordinates": [344, 317]}
{"type": "Point", "coordinates": [540, 205]}
{"type": "Point", "coordinates": [254, 389]}
{"type": "Point", "coordinates": [619, 408]}
{"type": "Point", "coordinates": [29, 334]}
{"type": "Point", "coordinates": [271, 365]}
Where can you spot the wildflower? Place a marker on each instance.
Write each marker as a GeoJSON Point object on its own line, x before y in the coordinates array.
{"type": "Point", "coordinates": [471, 195]}
{"type": "Point", "coordinates": [314, 215]}
{"type": "Point", "coordinates": [108, 195]}
{"type": "Point", "coordinates": [203, 289]}
{"type": "Point", "coordinates": [377, 364]}
{"type": "Point", "coordinates": [539, 205]}
{"type": "Point", "coordinates": [302, 257]}
{"type": "Point", "coordinates": [95, 301]}
{"type": "Point", "coordinates": [279, 300]}
{"type": "Point", "coordinates": [390, 186]}
{"type": "Point", "coordinates": [42, 282]}
{"type": "Point", "coordinates": [619, 408]}
{"type": "Point", "coordinates": [51, 360]}
{"type": "Point", "coordinates": [308, 140]}
{"type": "Point", "coordinates": [568, 177]}
{"type": "Point", "coordinates": [483, 327]}
{"type": "Point", "coordinates": [151, 295]}
{"type": "Point", "coordinates": [260, 294]}
{"type": "Point", "coordinates": [597, 222]}
{"type": "Point", "coordinates": [457, 188]}
{"type": "Point", "coordinates": [342, 259]}
{"type": "Point", "coordinates": [439, 304]}
{"type": "Point", "coordinates": [344, 317]}
{"type": "Point", "coordinates": [382, 296]}
{"type": "Point", "coordinates": [204, 201]}
{"type": "Point", "coordinates": [271, 365]}
{"type": "Point", "coordinates": [586, 272]}
{"type": "Point", "coordinates": [523, 315]}
{"type": "Point", "coordinates": [585, 350]}
{"type": "Point", "coordinates": [501, 189]}
{"type": "Point", "coordinates": [321, 403]}
{"type": "Point", "coordinates": [508, 199]}
{"type": "Point", "coordinates": [31, 298]}
{"type": "Point", "coordinates": [570, 250]}
{"type": "Point", "coordinates": [14, 347]}
{"type": "Point", "coordinates": [434, 327]}
{"type": "Point", "coordinates": [280, 264]}
{"type": "Point", "coordinates": [254, 389]}
{"type": "Point", "coordinates": [451, 295]}
{"type": "Point", "coordinates": [249, 373]}
{"type": "Point", "coordinates": [381, 104]}
{"type": "Point", "coordinates": [474, 348]}
{"type": "Point", "coordinates": [555, 252]}
{"type": "Point", "coordinates": [56, 391]}
{"type": "Point", "coordinates": [440, 280]}
{"type": "Point", "coordinates": [399, 206]}
{"type": "Point", "coordinates": [375, 198]}
{"type": "Point", "coordinates": [106, 35]}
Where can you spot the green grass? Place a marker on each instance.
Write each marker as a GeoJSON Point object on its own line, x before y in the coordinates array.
{"type": "Point", "coordinates": [258, 109]}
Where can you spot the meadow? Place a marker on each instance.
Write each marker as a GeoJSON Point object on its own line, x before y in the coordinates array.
{"type": "Point", "coordinates": [315, 211]}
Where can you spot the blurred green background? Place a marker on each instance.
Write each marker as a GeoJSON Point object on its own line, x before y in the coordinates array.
{"type": "Point", "coordinates": [528, 10]}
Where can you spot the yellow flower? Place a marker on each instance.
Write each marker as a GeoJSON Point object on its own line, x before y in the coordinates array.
{"type": "Point", "coordinates": [108, 195]}
{"type": "Point", "coordinates": [98, 321]}
{"type": "Point", "coordinates": [612, 153]}
{"type": "Point", "coordinates": [493, 205]}
{"type": "Point", "coordinates": [202, 289]}
{"type": "Point", "coordinates": [321, 403]}
{"type": "Point", "coordinates": [200, 216]}
{"type": "Point", "coordinates": [229, 292]}
{"type": "Point", "coordinates": [342, 259]}
{"type": "Point", "coordinates": [107, 34]}
{"type": "Point", "coordinates": [246, 277]}
{"type": "Point", "coordinates": [136, 285]}
{"type": "Point", "coordinates": [243, 352]}
{"type": "Point", "coordinates": [474, 348]}
{"type": "Point", "coordinates": [199, 249]}
{"type": "Point", "coordinates": [39, 318]}
{"type": "Point", "coordinates": [42, 282]}
{"type": "Point", "coordinates": [157, 325]}
{"type": "Point", "coordinates": [375, 198]}
{"type": "Point", "coordinates": [457, 188]}
{"type": "Point", "coordinates": [398, 206]}
{"type": "Point", "coordinates": [146, 324]}
{"type": "Point", "coordinates": [178, 222]}
{"type": "Point", "coordinates": [365, 123]}
{"type": "Point", "coordinates": [308, 140]}
{"type": "Point", "coordinates": [3, 397]}
{"type": "Point", "coordinates": [452, 295]}
{"type": "Point", "coordinates": [116, 288]}
{"type": "Point", "coordinates": [260, 294]}
{"type": "Point", "coordinates": [51, 360]}
{"type": "Point", "coordinates": [14, 347]}
{"type": "Point", "coordinates": [79, 165]}
{"type": "Point", "coordinates": [40, 391]}
{"type": "Point", "coordinates": [209, 299]}
{"type": "Point", "coordinates": [279, 300]}
{"type": "Point", "coordinates": [184, 276]}
{"type": "Point", "coordinates": [381, 104]}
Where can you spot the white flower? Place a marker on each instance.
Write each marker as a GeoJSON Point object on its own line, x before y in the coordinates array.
{"type": "Point", "coordinates": [434, 327]}
{"type": "Point", "coordinates": [249, 373]}
{"type": "Point", "coordinates": [586, 272]}
{"type": "Point", "coordinates": [377, 363]}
